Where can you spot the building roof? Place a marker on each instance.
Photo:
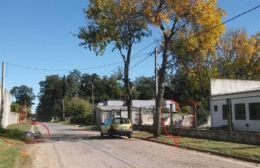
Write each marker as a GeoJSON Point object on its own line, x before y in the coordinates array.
{"type": "Point", "coordinates": [135, 103]}
{"type": "Point", "coordinates": [114, 108]}
{"type": "Point", "coordinates": [231, 86]}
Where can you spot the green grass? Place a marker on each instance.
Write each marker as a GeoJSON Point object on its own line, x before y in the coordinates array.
{"type": "Point", "coordinates": [16, 131]}
{"type": "Point", "coordinates": [12, 147]}
{"type": "Point", "coordinates": [221, 147]}
{"type": "Point", "coordinates": [21, 127]}
{"type": "Point", "coordinates": [8, 155]}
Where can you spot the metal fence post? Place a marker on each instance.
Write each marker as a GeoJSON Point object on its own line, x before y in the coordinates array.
{"type": "Point", "coordinates": [171, 115]}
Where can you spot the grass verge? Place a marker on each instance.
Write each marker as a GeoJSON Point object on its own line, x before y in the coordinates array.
{"type": "Point", "coordinates": [227, 149]}
{"type": "Point", "coordinates": [12, 147]}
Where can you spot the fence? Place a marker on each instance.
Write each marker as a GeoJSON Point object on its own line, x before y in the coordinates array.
{"type": "Point", "coordinates": [146, 116]}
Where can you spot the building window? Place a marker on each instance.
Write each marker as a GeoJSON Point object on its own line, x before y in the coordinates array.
{"type": "Point", "coordinates": [215, 108]}
{"type": "Point", "coordinates": [240, 111]}
{"type": "Point", "coordinates": [118, 113]}
{"type": "Point", "coordinates": [224, 112]}
{"type": "Point", "coordinates": [254, 111]}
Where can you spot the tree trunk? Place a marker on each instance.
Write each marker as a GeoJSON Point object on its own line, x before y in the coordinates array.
{"type": "Point", "coordinates": [127, 85]}
{"type": "Point", "coordinates": [159, 97]}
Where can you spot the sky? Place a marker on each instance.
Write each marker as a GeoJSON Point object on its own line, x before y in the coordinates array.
{"type": "Point", "coordinates": [39, 34]}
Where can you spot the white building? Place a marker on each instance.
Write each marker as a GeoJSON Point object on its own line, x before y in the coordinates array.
{"type": "Point", "coordinates": [117, 108]}
{"type": "Point", "coordinates": [236, 102]}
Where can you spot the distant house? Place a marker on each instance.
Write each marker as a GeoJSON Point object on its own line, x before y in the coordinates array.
{"type": "Point", "coordinates": [235, 104]}
{"type": "Point", "coordinates": [142, 110]}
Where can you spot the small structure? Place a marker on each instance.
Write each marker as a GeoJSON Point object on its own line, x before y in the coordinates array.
{"type": "Point", "coordinates": [235, 104]}
{"type": "Point", "coordinates": [142, 110]}
{"type": "Point", "coordinates": [104, 112]}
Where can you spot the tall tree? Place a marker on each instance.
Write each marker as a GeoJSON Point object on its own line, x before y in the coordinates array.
{"type": "Point", "coordinates": [238, 56]}
{"type": "Point", "coordinates": [50, 96]}
{"type": "Point", "coordinates": [72, 84]}
{"type": "Point", "coordinates": [186, 22]}
{"type": "Point", "coordinates": [145, 88]}
{"type": "Point", "coordinates": [24, 95]}
{"type": "Point", "coordinates": [119, 23]}
{"type": "Point", "coordinates": [105, 87]}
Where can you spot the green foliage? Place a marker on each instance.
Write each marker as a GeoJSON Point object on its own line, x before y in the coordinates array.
{"type": "Point", "coordinates": [238, 56]}
{"type": "Point", "coordinates": [186, 109]}
{"type": "Point", "coordinates": [51, 94]}
{"type": "Point", "coordinates": [15, 107]}
{"type": "Point", "coordinates": [235, 57]}
{"type": "Point", "coordinates": [16, 131]}
{"type": "Point", "coordinates": [145, 88]}
{"type": "Point", "coordinates": [15, 134]}
{"type": "Point", "coordinates": [79, 110]}
{"type": "Point", "coordinates": [119, 23]}
{"type": "Point", "coordinates": [104, 88]}
{"type": "Point", "coordinates": [72, 84]}
{"type": "Point", "coordinates": [24, 95]}
{"type": "Point", "coordinates": [202, 111]}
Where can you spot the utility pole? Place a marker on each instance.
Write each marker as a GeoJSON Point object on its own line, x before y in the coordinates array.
{"type": "Point", "coordinates": [93, 104]}
{"type": "Point", "coordinates": [63, 95]}
{"type": "Point", "coordinates": [155, 74]}
{"type": "Point", "coordinates": [156, 118]}
{"type": "Point", "coordinates": [63, 109]}
{"type": "Point", "coordinates": [2, 93]}
{"type": "Point", "coordinates": [171, 120]}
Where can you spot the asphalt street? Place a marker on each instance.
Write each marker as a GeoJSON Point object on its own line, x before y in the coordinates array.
{"type": "Point", "coordinates": [74, 147]}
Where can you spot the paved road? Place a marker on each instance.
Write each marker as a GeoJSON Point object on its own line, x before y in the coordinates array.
{"type": "Point", "coordinates": [71, 146]}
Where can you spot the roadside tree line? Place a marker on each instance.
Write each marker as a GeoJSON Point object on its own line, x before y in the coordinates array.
{"type": "Point", "coordinates": [189, 43]}
{"type": "Point", "coordinates": [70, 96]}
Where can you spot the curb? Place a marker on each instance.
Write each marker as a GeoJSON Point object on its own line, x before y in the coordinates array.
{"type": "Point", "coordinates": [204, 151]}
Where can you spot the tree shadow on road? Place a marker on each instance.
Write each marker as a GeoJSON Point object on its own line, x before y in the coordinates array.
{"type": "Point", "coordinates": [77, 137]}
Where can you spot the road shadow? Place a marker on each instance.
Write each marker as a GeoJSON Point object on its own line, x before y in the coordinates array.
{"type": "Point", "coordinates": [77, 137]}
{"type": "Point", "coordinates": [80, 129]}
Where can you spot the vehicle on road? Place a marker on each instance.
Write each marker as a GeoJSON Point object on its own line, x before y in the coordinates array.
{"type": "Point", "coordinates": [116, 126]}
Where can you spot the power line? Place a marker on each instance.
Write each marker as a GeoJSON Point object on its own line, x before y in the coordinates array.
{"type": "Point", "coordinates": [56, 70]}
{"type": "Point", "coordinates": [135, 56]}
{"type": "Point", "coordinates": [138, 63]}
{"type": "Point", "coordinates": [223, 23]}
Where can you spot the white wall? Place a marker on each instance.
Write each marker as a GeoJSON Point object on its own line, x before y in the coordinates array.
{"type": "Point", "coordinates": [217, 118]}
{"type": "Point", "coordinates": [224, 86]}
{"type": "Point", "coordinates": [8, 116]}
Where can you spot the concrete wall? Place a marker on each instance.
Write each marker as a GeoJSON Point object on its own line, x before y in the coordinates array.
{"type": "Point", "coordinates": [234, 136]}
{"type": "Point", "coordinates": [241, 125]}
{"type": "Point", "coordinates": [8, 116]}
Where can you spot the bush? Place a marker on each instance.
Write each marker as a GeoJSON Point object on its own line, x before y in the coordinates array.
{"type": "Point", "coordinates": [79, 111]}
{"type": "Point", "coordinates": [15, 134]}
{"type": "Point", "coordinates": [15, 107]}
{"type": "Point", "coordinates": [186, 109]}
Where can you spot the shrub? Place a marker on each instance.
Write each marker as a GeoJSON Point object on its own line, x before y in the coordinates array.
{"type": "Point", "coordinates": [186, 109]}
{"type": "Point", "coordinates": [79, 111]}
{"type": "Point", "coordinates": [15, 107]}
